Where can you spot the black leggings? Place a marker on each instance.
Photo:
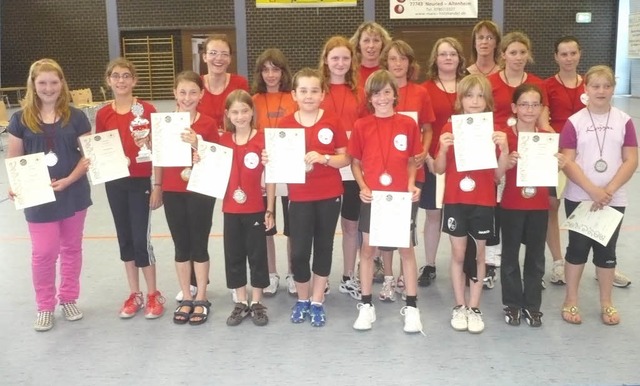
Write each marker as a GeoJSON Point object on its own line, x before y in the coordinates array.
{"type": "Point", "coordinates": [189, 216]}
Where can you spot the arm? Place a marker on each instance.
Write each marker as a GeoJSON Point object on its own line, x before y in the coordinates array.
{"type": "Point", "coordinates": [338, 160]}
{"type": "Point", "coordinates": [573, 171]}
{"type": "Point", "coordinates": [356, 169]}
{"type": "Point", "coordinates": [543, 120]}
{"type": "Point", "coordinates": [625, 171]}
{"type": "Point", "coordinates": [500, 139]}
{"type": "Point", "coordinates": [440, 163]}
{"type": "Point", "coordinates": [271, 203]}
{"type": "Point", "coordinates": [412, 188]}
{"type": "Point", "coordinates": [155, 201]}
{"type": "Point", "coordinates": [15, 148]}
{"type": "Point", "coordinates": [80, 170]}
{"type": "Point", "coordinates": [427, 136]}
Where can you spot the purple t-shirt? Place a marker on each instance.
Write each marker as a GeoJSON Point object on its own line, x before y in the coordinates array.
{"type": "Point", "coordinates": [63, 140]}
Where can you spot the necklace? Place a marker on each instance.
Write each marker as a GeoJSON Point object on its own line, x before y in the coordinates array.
{"type": "Point", "coordinates": [451, 102]}
{"type": "Point", "coordinates": [277, 113]}
{"type": "Point", "coordinates": [572, 99]}
{"type": "Point", "coordinates": [315, 120]}
{"type": "Point", "coordinates": [601, 165]}
{"type": "Point", "coordinates": [239, 195]}
{"type": "Point", "coordinates": [488, 72]}
{"type": "Point", "coordinates": [385, 178]}
{"type": "Point", "coordinates": [507, 79]}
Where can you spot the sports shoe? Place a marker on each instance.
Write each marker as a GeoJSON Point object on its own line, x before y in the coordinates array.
{"type": "Point", "coordinates": [192, 288]}
{"type": "Point", "coordinates": [327, 289]}
{"type": "Point", "coordinates": [366, 317]}
{"type": "Point", "coordinates": [378, 270]}
{"type": "Point", "coordinates": [388, 290]}
{"type": "Point", "coordinates": [459, 318]}
{"type": "Point", "coordinates": [291, 285]}
{"type": "Point", "coordinates": [412, 322]}
{"type": "Point", "coordinates": [427, 276]}
{"type": "Point", "coordinates": [155, 305]}
{"type": "Point", "coordinates": [44, 321]}
{"type": "Point", "coordinates": [490, 278]}
{"type": "Point", "coordinates": [274, 283]}
{"type": "Point", "coordinates": [351, 287]}
{"type": "Point", "coordinates": [620, 280]}
{"type": "Point", "coordinates": [475, 325]}
{"type": "Point", "coordinates": [132, 305]}
{"type": "Point", "coordinates": [239, 312]}
{"type": "Point", "coordinates": [512, 316]}
{"type": "Point", "coordinates": [71, 312]}
{"type": "Point", "coordinates": [259, 314]}
{"type": "Point", "coordinates": [533, 318]}
{"type": "Point", "coordinates": [493, 255]}
{"type": "Point", "coordinates": [300, 311]}
{"type": "Point", "coordinates": [557, 273]}
{"type": "Point", "coordinates": [317, 315]}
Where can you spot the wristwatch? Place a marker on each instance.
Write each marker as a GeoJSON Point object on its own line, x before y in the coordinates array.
{"type": "Point", "coordinates": [327, 158]}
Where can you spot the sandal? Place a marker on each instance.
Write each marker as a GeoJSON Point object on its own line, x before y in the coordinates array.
{"type": "Point", "coordinates": [571, 314]}
{"type": "Point", "coordinates": [197, 318]}
{"type": "Point", "coordinates": [180, 316]}
{"type": "Point", "coordinates": [610, 316]}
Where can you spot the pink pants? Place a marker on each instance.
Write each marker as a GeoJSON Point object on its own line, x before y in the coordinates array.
{"type": "Point", "coordinates": [48, 241]}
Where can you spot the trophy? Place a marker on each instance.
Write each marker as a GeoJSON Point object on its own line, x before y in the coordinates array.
{"type": "Point", "coordinates": [140, 128]}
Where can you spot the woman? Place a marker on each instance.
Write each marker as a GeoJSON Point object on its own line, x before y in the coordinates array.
{"type": "Point", "coordinates": [369, 40]}
{"type": "Point", "coordinates": [485, 53]}
{"type": "Point", "coordinates": [46, 123]}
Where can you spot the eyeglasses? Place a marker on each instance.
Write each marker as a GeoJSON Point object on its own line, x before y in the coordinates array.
{"type": "Point", "coordinates": [125, 76]}
{"type": "Point", "coordinates": [448, 55]}
{"type": "Point", "coordinates": [527, 106]}
{"type": "Point", "coordinates": [222, 54]}
{"type": "Point", "coordinates": [485, 37]}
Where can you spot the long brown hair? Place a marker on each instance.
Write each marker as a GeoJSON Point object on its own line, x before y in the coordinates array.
{"type": "Point", "coordinates": [32, 104]}
{"type": "Point", "coordinates": [404, 49]}
{"type": "Point", "coordinates": [277, 59]}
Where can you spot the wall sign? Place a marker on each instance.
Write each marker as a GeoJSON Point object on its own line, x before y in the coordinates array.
{"type": "Point", "coordinates": [433, 9]}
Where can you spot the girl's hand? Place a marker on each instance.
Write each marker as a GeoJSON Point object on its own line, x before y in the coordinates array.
{"type": "Point", "coordinates": [500, 139]}
{"type": "Point", "coordinates": [446, 140]}
{"type": "Point", "coordinates": [195, 158]}
{"type": "Point", "coordinates": [189, 136]}
{"type": "Point", "coordinates": [420, 158]}
{"type": "Point", "coordinates": [268, 220]}
{"type": "Point", "coordinates": [12, 195]}
{"type": "Point", "coordinates": [265, 157]}
{"type": "Point", "coordinates": [600, 197]}
{"type": "Point", "coordinates": [60, 185]}
{"type": "Point", "coordinates": [562, 160]}
{"type": "Point", "coordinates": [313, 157]}
{"type": "Point", "coordinates": [415, 193]}
{"type": "Point", "coordinates": [513, 159]}
{"type": "Point", "coordinates": [155, 201]}
{"type": "Point", "coordinates": [365, 195]}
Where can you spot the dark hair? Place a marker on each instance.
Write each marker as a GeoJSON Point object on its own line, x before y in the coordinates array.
{"type": "Point", "coordinates": [525, 88]}
{"type": "Point", "coordinates": [188, 76]}
{"type": "Point", "coordinates": [404, 49]}
{"type": "Point", "coordinates": [242, 97]}
{"type": "Point", "coordinates": [277, 58]}
{"type": "Point", "coordinates": [494, 29]}
{"type": "Point", "coordinates": [566, 39]}
{"type": "Point", "coordinates": [376, 82]}
{"type": "Point", "coordinates": [217, 37]}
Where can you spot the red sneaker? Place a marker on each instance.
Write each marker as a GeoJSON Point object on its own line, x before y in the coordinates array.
{"type": "Point", "coordinates": [132, 305]}
{"type": "Point", "coordinates": [154, 308]}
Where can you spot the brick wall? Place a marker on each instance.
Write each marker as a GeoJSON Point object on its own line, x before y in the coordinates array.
{"type": "Point", "coordinates": [155, 14]}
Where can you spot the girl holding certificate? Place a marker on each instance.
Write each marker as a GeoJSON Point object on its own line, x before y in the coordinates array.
{"type": "Point", "coordinates": [485, 48]}
{"type": "Point", "coordinates": [272, 100]}
{"type": "Point", "coordinates": [369, 40]}
{"type": "Point", "coordinates": [188, 213]}
{"type": "Point", "coordinates": [245, 217]}
{"type": "Point", "coordinates": [131, 198]}
{"type": "Point", "coordinates": [315, 205]}
{"type": "Point", "coordinates": [47, 124]}
{"type": "Point", "coordinates": [601, 148]}
{"type": "Point", "coordinates": [383, 147]}
{"type": "Point", "coordinates": [469, 203]}
{"type": "Point", "coordinates": [338, 67]}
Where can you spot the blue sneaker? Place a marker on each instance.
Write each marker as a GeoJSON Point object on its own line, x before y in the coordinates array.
{"type": "Point", "coordinates": [300, 311]}
{"type": "Point", "coordinates": [317, 315]}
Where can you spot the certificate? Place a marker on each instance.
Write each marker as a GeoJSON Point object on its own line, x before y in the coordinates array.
{"type": "Point", "coordinates": [285, 149]}
{"type": "Point", "coordinates": [474, 148]}
{"type": "Point", "coordinates": [210, 176]}
{"type": "Point", "coordinates": [390, 224]}
{"type": "Point", "coordinates": [168, 147]}
{"type": "Point", "coordinates": [440, 183]}
{"type": "Point", "coordinates": [598, 225]}
{"type": "Point", "coordinates": [562, 184]}
{"type": "Point", "coordinates": [107, 161]}
{"type": "Point", "coordinates": [29, 180]}
{"type": "Point", "coordinates": [537, 165]}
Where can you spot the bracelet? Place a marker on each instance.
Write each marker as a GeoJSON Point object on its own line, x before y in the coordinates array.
{"type": "Point", "coordinates": [157, 184]}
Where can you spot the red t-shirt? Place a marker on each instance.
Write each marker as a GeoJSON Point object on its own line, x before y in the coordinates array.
{"type": "Point", "coordinates": [213, 105]}
{"type": "Point", "coordinates": [484, 193]}
{"type": "Point", "coordinates": [364, 72]}
{"type": "Point", "coordinates": [343, 104]}
{"type": "Point", "coordinates": [385, 145]}
{"type": "Point", "coordinates": [171, 180]}
{"type": "Point", "coordinates": [246, 173]}
{"type": "Point", "coordinates": [503, 94]}
{"type": "Point", "coordinates": [443, 108]}
{"type": "Point", "coordinates": [107, 119]}
{"type": "Point", "coordinates": [271, 107]}
{"type": "Point", "coordinates": [324, 137]}
{"type": "Point", "coordinates": [512, 196]}
{"type": "Point", "coordinates": [563, 102]}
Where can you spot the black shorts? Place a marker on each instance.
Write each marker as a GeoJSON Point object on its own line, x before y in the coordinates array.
{"type": "Point", "coordinates": [350, 201]}
{"type": "Point", "coordinates": [459, 220]}
{"type": "Point", "coordinates": [428, 193]}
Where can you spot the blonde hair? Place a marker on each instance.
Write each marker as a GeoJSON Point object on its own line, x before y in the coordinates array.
{"type": "Point", "coordinates": [32, 104]}
{"type": "Point", "coordinates": [404, 49]}
{"type": "Point", "coordinates": [515, 37]}
{"type": "Point", "coordinates": [376, 82]}
{"type": "Point", "coordinates": [123, 63]}
{"type": "Point", "coordinates": [240, 96]}
{"type": "Point", "coordinates": [432, 65]}
{"type": "Point", "coordinates": [470, 82]}
{"type": "Point", "coordinates": [373, 28]}
{"type": "Point", "coordinates": [600, 71]}
{"type": "Point", "coordinates": [351, 77]}
{"type": "Point", "coordinates": [309, 73]}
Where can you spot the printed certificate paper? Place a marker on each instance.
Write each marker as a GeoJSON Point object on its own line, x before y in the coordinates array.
{"type": "Point", "coordinates": [537, 165]}
{"type": "Point", "coordinates": [474, 148]}
{"type": "Point", "coordinates": [286, 150]}
{"type": "Point", "coordinates": [390, 219]}
{"type": "Point", "coordinates": [210, 176]}
{"type": "Point", "coordinates": [29, 180]}
{"type": "Point", "coordinates": [168, 147]}
{"type": "Point", "coordinates": [598, 225]}
{"type": "Point", "coordinates": [107, 161]}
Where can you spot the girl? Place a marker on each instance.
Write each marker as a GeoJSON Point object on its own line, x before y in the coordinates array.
{"type": "Point", "coordinates": [315, 205]}
{"type": "Point", "coordinates": [469, 201]}
{"type": "Point", "coordinates": [218, 83]}
{"type": "Point", "coordinates": [188, 213]}
{"type": "Point", "coordinates": [339, 70]}
{"type": "Point", "coordinates": [245, 218]}
{"type": "Point", "coordinates": [129, 197]}
{"type": "Point", "coordinates": [398, 57]}
{"type": "Point", "coordinates": [524, 220]}
{"type": "Point", "coordinates": [485, 52]}
{"type": "Point", "coordinates": [597, 167]}
{"type": "Point", "coordinates": [272, 100]}
{"type": "Point", "coordinates": [46, 123]}
{"type": "Point", "coordinates": [445, 70]}
{"type": "Point", "coordinates": [369, 40]}
{"type": "Point", "coordinates": [371, 166]}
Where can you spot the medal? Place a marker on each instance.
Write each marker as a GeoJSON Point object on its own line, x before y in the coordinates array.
{"type": "Point", "coordinates": [528, 191]}
{"type": "Point", "coordinates": [511, 121]}
{"type": "Point", "coordinates": [185, 174]}
{"type": "Point", "coordinates": [467, 184]}
{"type": "Point", "coordinates": [584, 98]}
{"type": "Point", "coordinates": [50, 159]}
{"type": "Point", "coordinates": [601, 166]}
{"type": "Point", "coordinates": [385, 179]}
{"type": "Point", "coordinates": [239, 196]}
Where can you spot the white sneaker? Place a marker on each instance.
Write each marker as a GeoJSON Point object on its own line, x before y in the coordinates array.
{"type": "Point", "coordinates": [459, 318]}
{"type": "Point", "coordinates": [557, 273]}
{"type": "Point", "coordinates": [412, 321]}
{"type": "Point", "coordinates": [366, 317]}
{"type": "Point", "coordinates": [493, 255]}
{"type": "Point", "coordinates": [291, 285]}
{"type": "Point", "coordinates": [388, 293]}
{"type": "Point", "coordinates": [620, 280]}
{"type": "Point", "coordinates": [351, 287]}
{"type": "Point", "coordinates": [274, 283]}
{"type": "Point", "coordinates": [192, 288]}
{"type": "Point", "coordinates": [475, 325]}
